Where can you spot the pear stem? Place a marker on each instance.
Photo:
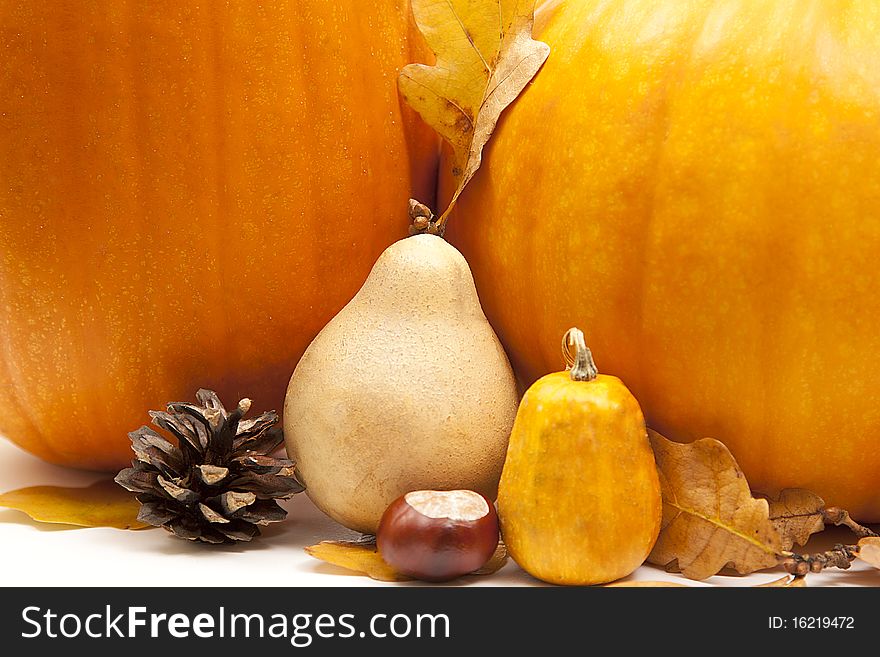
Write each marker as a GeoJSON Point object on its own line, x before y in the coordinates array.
{"type": "Point", "coordinates": [578, 358]}
{"type": "Point", "coordinates": [424, 221]}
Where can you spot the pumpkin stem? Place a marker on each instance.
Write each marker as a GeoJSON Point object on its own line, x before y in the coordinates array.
{"type": "Point", "coordinates": [580, 362]}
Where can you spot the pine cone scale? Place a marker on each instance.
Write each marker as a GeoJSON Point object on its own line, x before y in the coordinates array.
{"type": "Point", "coordinates": [137, 479]}
{"type": "Point", "coordinates": [155, 513]}
{"type": "Point", "coordinates": [168, 464]}
{"type": "Point", "coordinates": [212, 475]}
{"type": "Point", "coordinates": [212, 516]}
{"type": "Point", "coordinates": [234, 500]}
{"type": "Point", "coordinates": [261, 465]}
{"type": "Point", "coordinates": [270, 486]}
{"type": "Point", "coordinates": [179, 493]}
{"type": "Point", "coordinates": [242, 532]}
{"type": "Point", "coordinates": [185, 435]}
{"type": "Point", "coordinates": [262, 512]}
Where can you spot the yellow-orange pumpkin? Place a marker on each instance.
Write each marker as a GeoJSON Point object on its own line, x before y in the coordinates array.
{"type": "Point", "coordinates": [188, 192]}
{"type": "Point", "coordinates": [697, 185]}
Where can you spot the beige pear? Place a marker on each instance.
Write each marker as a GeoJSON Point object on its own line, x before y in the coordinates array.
{"type": "Point", "coordinates": [407, 388]}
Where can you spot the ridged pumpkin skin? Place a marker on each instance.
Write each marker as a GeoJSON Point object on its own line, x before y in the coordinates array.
{"type": "Point", "coordinates": [697, 184]}
{"type": "Point", "coordinates": [579, 499]}
{"type": "Point", "coordinates": [190, 191]}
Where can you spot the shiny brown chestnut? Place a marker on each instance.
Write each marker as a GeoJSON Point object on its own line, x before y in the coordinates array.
{"type": "Point", "coordinates": [437, 535]}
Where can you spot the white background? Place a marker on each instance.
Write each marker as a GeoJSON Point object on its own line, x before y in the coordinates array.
{"type": "Point", "coordinates": [39, 554]}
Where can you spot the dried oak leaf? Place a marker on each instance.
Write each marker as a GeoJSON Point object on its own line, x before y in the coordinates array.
{"type": "Point", "coordinates": [710, 519]}
{"type": "Point", "coordinates": [797, 514]}
{"type": "Point", "coordinates": [485, 57]}
{"type": "Point", "coordinates": [362, 557]}
{"type": "Point", "coordinates": [103, 504]}
{"type": "Point", "coordinates": [869, 551]}
{"type": "Point", "coordinates": [787, 582]}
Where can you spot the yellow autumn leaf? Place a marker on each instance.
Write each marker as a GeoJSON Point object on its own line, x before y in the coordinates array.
{"type": "Point", "coordinates": [710, 519]}
{"type": "Point", "coordinates": [359, 557]}
{"type": "Point", "coordinates": [485, 57]}
{"type": "Point", "coordinates": [363, 558]}
{"type": "Point", "coordinates": [103, 504]}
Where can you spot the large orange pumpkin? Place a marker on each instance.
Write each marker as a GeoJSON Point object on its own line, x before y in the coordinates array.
{"type": "Point", "coordinates": [697, 185]}
{"type": "Point", "coordinates": [189, 191]}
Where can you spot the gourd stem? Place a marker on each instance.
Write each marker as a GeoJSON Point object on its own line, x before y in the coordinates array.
{"type": "Point", "coordinates": [578, 358]}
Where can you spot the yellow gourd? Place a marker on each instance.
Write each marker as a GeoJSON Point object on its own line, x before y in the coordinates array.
{"type": "Point", "coordinates": [579, 499]}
